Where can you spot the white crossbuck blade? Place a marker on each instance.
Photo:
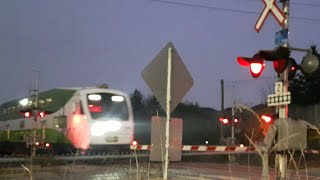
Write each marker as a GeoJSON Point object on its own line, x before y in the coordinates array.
{"type": "Point", "coordinates": [270, 6]}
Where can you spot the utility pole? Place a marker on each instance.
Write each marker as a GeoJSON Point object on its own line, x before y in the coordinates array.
{"type": "Point", "coordinates": [222, 109]}
{"type": "Point", "coordinates": [233, 140]}
{"type": "Point", "coordinates": [232, 125]}
{"type": "Point", "coordinates": [35, 112]}
{"type": "Point", "coordinates": [232, 157]}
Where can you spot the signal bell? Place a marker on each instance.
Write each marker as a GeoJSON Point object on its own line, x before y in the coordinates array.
{"type": "Point", "coordinates": [310, 65]}
{"type": "Point", "coordinates": [256, 64]}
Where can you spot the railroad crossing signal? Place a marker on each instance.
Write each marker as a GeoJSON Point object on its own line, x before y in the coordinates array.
{"type": "Point", "coordinates": [270, 6]}
{"type": "Point", "coordinates": [280, 57]}
{"type": "Point", "coordinates": [30, 113]}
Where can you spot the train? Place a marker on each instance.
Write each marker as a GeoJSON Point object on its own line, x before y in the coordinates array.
{"type": "Point", "coordinates": [62, 120]}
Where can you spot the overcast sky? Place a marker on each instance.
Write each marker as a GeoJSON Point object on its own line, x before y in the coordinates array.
{"type": "Point", "coordinates": [89, 42]}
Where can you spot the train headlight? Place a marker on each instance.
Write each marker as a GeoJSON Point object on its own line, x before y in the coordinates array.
{"type": "Point", "coordinates": [100, 128]}
{"type": "Point", "coordinates": [113, 126]}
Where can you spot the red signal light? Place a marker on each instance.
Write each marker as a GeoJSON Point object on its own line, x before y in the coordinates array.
{"type": "Point", "coordinates": [293, 67]}
{"type": "Point", "coordinates": [280, 65]}
{"type": "Point", "coordinates": [235, 120]}
{"type": "Point", "coordinates": [266, 122]}
{"type": "Point", "coordinates": [255, 64]}
{"type": "Point", "coordinates": [256, 69]}
{"type": "Point", "coordinates": [27, 114]}
{"type": "Point", "coordinates": [42, 114]}
{"type": "Point", "coordinates": [266, 118]}
{"type": "Point", "coordinates": [224, 120]}
{"type": "Point", "coordinates": [134, 143]}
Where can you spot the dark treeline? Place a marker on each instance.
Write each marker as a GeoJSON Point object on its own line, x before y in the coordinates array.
{"type": "Point", "coordinates": [199, 124]}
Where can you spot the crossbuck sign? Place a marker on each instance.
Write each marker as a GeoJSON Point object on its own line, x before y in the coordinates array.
{"type": "Point", "coordinates": [270, 6]}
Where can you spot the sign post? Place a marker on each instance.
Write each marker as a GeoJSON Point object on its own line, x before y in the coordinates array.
{"type": "Point", "coordinates": [166, 156]}
{"type": "Point", "coordinates": [169, 89]}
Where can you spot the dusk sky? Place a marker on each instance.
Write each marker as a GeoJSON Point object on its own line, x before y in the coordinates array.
{"type": "Point", "coordinates": [75, 43]}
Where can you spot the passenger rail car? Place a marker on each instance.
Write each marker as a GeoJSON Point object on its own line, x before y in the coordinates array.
{"type": "Point", "coordinates": [68, 119]}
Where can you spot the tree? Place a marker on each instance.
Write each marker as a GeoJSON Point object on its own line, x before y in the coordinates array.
{"type": "Point", "coordinates": [137, 100]}
{"type": "Point", "coordinates": [153, 107]}
{"type": "Point", "coordinates": [199, 124]}
{"type": "Point", "coordinates": [142, 121]}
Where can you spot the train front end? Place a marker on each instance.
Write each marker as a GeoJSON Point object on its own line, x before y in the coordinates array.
{"type": "Point", "coordinates": [109, 120]}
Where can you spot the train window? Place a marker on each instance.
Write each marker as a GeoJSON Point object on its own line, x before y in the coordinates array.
{"type": "Point", "coordinates": [104, 106]}
{"type": "Point", "coordinates": [62, 121]}
{"type": "Point", "coordinates": [81, 108]}
{"type": "Point", "coordinates": [77, 108]}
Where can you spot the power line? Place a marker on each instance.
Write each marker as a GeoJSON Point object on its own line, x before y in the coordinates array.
{"type": "Point", "coordinates": [203, 6]}
{"type": "Point", "coordinates": [306, 4]}
{"type": "Point", "coordinates": [294, 3]}
{"type": "Point", "coordinates": [297, 3]}
{"type": "Point", "coordinates": [304, 18]}
{"type": "Point", "coordinates": [229, 10]}
{"type": "Point", "coordinates": [228, 82]}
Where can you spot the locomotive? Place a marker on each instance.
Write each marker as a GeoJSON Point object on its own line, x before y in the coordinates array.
{"type": "Point", "coordinates": [67, 119]}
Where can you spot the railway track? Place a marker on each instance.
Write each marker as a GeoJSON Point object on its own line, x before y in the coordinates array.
{"type": "Point", "coordinates": [92, 157]}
